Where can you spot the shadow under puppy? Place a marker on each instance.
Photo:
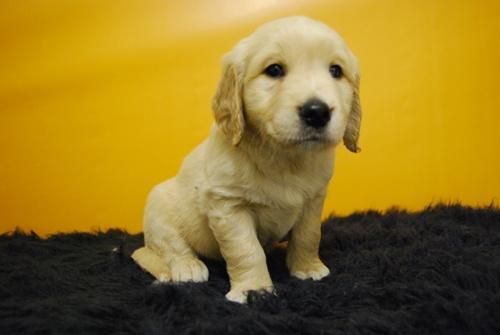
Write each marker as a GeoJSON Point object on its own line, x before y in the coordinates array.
{"type": "Point", "coordinates": [289, 93]}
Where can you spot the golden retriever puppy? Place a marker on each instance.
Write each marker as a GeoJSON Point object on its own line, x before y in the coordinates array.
{"type": "Point", "coordinates": [289, 93]}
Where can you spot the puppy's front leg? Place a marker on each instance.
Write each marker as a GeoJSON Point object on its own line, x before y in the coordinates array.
{"type": "Point", "coordinates": [303, 248]}
{"type": "Point", "coordinates": [235, 231]}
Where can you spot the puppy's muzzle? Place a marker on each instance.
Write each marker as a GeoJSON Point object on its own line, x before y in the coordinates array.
{"type": "Point", "coordinates": [315, 113]}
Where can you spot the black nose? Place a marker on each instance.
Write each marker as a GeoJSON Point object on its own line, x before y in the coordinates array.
{"type": "Point", "coordinates": [315, 113]}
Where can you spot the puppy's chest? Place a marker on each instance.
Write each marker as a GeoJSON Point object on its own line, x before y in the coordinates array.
{"type": "Point", "coordinates": [277, 207]}
{"type": "Point", "coordinates": [284, 194]}
{"type": "Point", "coordinates": [273, 224]}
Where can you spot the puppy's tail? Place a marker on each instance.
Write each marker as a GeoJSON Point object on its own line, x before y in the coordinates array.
{"type": "Point", "coordinates": [149, 261]}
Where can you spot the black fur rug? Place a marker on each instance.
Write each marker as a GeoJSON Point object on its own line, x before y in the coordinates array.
{"type": "Point", "coordinates": [433, 272]}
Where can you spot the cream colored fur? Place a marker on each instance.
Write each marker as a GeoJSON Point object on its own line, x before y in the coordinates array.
{"type": "Point", "coordinates": [260, 176]}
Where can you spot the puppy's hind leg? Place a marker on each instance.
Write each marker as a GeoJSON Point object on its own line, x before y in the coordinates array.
{"type": "Point", "coordinates": [163, 219]}
{"type": "Point", "coordinates": [152, 263]}
{"type": "Point", "coordinates": [179, 262]}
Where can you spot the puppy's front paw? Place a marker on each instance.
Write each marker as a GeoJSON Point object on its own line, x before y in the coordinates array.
{"type": "Point", "coordinates": [237, 296]}
{"type": "Point", "coordinates": [240, 295]}
{"type": "Point", "coordinates": [314, 270]}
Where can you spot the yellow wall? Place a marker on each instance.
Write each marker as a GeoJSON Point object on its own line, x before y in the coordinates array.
{"type": "Point", "coordinates": [101, 99]}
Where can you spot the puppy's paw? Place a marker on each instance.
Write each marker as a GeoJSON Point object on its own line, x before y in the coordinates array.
{"type": "Point", "coordinates": [163, 277]}
{"type": "Point", "coordinates": [237, 296]}
{"type": "Point", "coordinates": [241, 295]}
{"type": "Point", "coordinates": [189, 270]}
{"type": "Point", "coordinates": [315, 270]}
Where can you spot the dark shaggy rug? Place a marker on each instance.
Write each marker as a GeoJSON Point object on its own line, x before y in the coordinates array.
{"type": "Point", "coordinates": [432, 272]}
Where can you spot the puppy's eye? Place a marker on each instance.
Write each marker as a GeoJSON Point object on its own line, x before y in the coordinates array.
{"type": "Point", "coordinates": [274, 71]}
{"type": "Point", "coordinates": [336, 71]}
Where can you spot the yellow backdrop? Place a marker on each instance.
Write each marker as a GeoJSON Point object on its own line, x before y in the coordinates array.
{"type": "Point", "coordinates": [101, 99]}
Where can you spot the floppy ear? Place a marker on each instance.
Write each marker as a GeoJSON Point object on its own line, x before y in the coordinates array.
{"type": "Point", "coordinates": [227, 104]}
{"type": "Point", "coordinates": [351, 134]}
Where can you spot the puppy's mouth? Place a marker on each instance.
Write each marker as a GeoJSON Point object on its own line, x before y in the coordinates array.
{"type": "Point", "coordinates": [314, 139]}
{"type": "Point", "coordinates": [303, 137]}
{"type": "Point", "coordinates": [309, 139]}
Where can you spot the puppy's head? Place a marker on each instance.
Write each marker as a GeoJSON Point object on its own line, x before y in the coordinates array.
{"type": "Point", "coordinates": [295, 82]}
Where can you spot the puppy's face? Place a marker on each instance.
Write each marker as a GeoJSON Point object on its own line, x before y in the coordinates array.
{"type": "Point", "coordinates": [298, 84]}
